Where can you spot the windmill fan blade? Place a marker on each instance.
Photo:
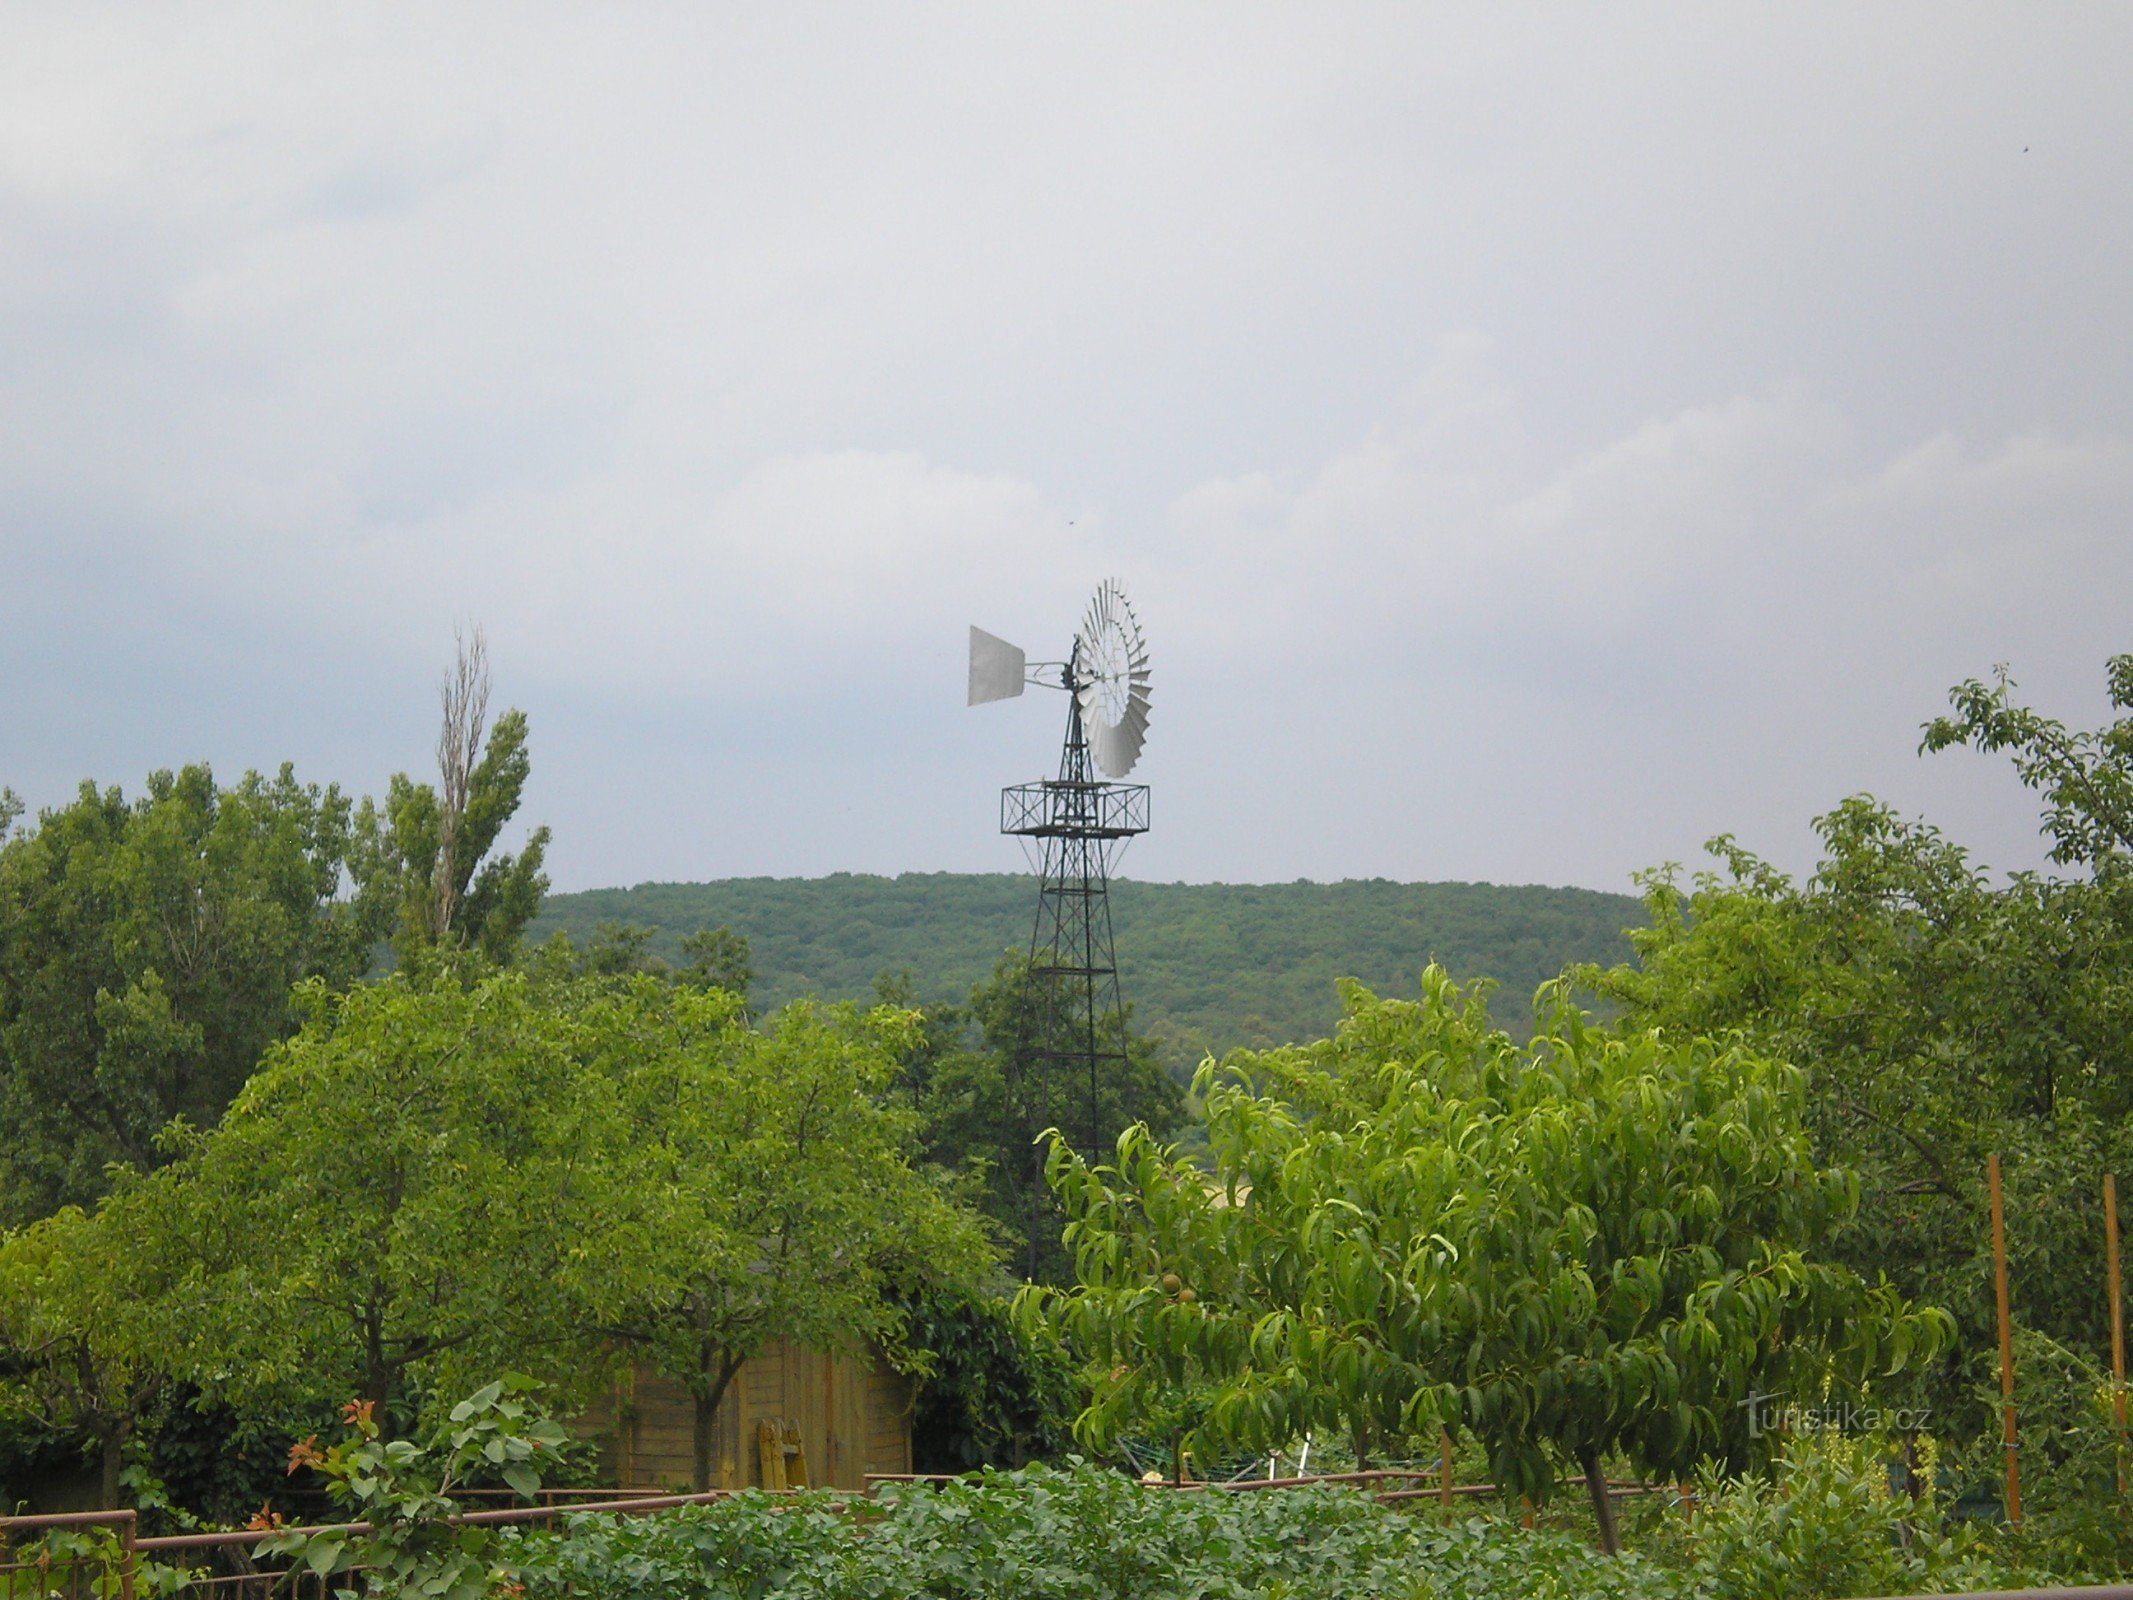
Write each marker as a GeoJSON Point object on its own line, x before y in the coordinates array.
{"type": "Point", "coordinates": [1117, 748]}
{"type": "Point", "coordinates": [996, 668]}
{"type": "Point", "coordinates": [1117, 684]}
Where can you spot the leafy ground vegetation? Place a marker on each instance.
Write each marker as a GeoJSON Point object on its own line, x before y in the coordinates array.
{"type": "Point", "coordinates": [1829, 1522]}
{"type": "Point", "coordinates": [1080, 1532]}
{"type": "Point", "coordinates": [1825, 1529]}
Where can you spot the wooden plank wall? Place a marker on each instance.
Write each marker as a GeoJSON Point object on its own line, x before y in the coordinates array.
{"type": "Point", "coordinates": [854, 1418]}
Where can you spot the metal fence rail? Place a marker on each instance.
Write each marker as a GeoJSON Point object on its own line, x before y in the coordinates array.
{"type": "Point", "coordinates": [1390, 1485]}
{"type": "Point", "coordinates": [39, 1562]}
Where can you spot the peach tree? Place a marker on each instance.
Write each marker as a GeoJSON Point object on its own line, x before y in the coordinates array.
{"type": "Point", "coordinates": [1591, 1246]}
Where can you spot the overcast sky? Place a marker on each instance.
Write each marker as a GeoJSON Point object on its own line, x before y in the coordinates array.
{"type": "Point", "coordinates": [1535, 440]}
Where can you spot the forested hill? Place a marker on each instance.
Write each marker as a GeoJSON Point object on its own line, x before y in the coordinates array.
{"type": "Point", "coordinates": [1204, 965]}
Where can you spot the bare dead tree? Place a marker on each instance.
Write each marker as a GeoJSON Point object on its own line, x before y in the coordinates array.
{"type": "Point", "coordinates": [465, 695]}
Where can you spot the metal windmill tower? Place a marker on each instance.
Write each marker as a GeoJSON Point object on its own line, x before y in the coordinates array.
{"type": "Point", "coordinates": [1080, 820]}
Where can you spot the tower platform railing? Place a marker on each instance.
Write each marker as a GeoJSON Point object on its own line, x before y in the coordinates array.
{"type": "Point", "coordinates": [1061, 808]}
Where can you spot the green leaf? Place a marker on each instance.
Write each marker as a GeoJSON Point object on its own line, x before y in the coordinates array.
{"type": "Point", "coordinates": [324, 1552]}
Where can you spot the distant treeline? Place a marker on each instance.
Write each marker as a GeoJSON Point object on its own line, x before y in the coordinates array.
{"type": "Point", "coordinates": [1205, 966]}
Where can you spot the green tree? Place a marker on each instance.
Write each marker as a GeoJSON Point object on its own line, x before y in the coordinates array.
{"type": "Point", "coordinates": [1589, 1245]}
{"type": "Point", "coordinates": [616, 950]}
{"type": "Point", "coordinates": [757, 1189]}
{"type": "Point", "coordinates": [386, 1208]}
{"type": "Point", "coordinates": [718, 958]}
{"type": "Point", "coordinates": [432, 847]}
{"type": "Point", "coordinates": [147, 950]}
{"type": "Point", "coordinates": [1942, 1015]}
{"type": "Point", "coordinates": [992, 1394]}
{"type": "Point", "coordinates": [714, 958]}
{"type": "Point", "coordinates": [2085, 778]}
{"type": "Point", "coordinates": [80, 1333]}
{"type": "Point", "coordinates": [954, 1071]}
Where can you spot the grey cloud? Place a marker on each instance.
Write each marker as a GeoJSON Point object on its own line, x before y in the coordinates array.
{"type": "Point", "coordinates": [1536, 443]}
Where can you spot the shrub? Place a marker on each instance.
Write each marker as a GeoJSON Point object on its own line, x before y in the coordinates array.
{"type": "Point", "coordinates": [403, 1491]}
{"type": "Point", "coordinates": [1827, 1525]}
{"type": "Point", "coordinates": [991, 1395]}
{"type": "Point", "coordinates": [2075, 1526]}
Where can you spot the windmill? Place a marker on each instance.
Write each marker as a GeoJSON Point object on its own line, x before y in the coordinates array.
{"type": "Point", "coordinates": [1080, 821]}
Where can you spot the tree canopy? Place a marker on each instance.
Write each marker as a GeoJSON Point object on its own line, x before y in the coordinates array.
{"type": "Point", "coordinates": [974, 1118]}
{"type": "Point", "coordinates": [147, 953]}
{"type": "Point", "coordinates": [82, 1338]}
{"type": "Point", "coordinates": [431, 849]}
{"type": "Point", "coordinates": [1588, 1244]}
{"type": "Point", "coordinates": [386, 1208]}
{"type": "Point", "coordinates": [757, 1188]}
{"type": "Point", "coordinates": [149, 948]}
{"type": "Point", "coordinates": [1208, 966]}
{"type": "Point", "coordinates": [1942, 1015]}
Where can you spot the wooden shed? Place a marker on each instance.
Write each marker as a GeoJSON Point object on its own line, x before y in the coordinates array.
{"type": "Point", "coordinates": [851, 1417]}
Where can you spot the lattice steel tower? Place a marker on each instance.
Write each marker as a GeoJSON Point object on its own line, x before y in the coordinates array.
{"type": "Point", "coordinates": [1075, 1024]}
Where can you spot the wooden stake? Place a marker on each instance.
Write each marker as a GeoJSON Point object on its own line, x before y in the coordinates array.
{"type": "Point", "coordinates": [1999, 1290]}
{"type": "Point", "coordinates": [1444, 1466]}
{"type": "Point", "coordinates": [2118, 1322]}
